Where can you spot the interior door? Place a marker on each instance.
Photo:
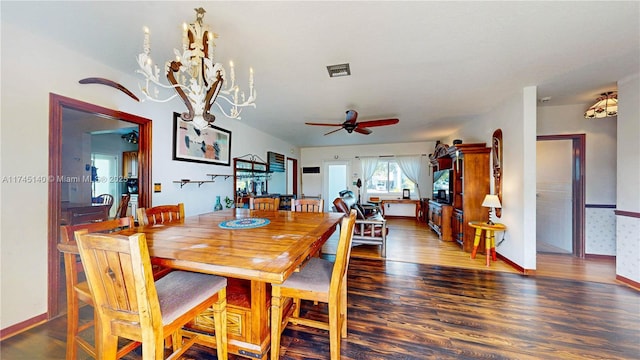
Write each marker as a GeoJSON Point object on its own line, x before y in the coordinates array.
{"type": "Point", "coordinates": [335, 180]}
{"type": "Point", "coordinates": [107, 171]}
{"type": "Point", "coordinates": [554, 199]}
{"type": "Point", "coordinates": [292, 176]}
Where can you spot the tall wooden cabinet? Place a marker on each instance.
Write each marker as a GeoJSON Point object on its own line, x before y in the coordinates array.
{"type": "Point", "coordinates": [470, 164]}
{"type": "Point", "coordinates": [470, 185]}
{"type": "Point", "coordinates": [130, 164]}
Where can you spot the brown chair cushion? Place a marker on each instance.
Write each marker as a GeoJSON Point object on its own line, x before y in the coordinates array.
{"type": "Point", "coordinates": [341, 205]}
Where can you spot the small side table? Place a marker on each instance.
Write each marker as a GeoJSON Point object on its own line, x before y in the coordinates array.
{"type": "Point", "coordinates": [490, 240]}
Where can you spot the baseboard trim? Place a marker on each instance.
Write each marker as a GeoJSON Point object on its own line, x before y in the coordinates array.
{"type": "Point", "coordinates": [600, 257]}
{"type": "Point", "coordinates": [22, 326]}
{"type": "Point", "coordinates": [634, 284]}
{"type": "Point", "coordinates": [519, 268]}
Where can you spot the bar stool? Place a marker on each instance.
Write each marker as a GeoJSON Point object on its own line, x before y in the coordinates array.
{"type": "Point", "coordinates": [490, 240]}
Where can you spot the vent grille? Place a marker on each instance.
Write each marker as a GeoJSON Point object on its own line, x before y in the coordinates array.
{"type": "Point", "coordinates": [339, 70]}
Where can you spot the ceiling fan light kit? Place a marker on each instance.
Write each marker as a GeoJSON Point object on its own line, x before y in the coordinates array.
{"type": "Point", "coordinates": [352, 125]}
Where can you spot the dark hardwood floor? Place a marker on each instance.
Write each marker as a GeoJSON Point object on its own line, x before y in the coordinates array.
{"type": "Point", "coordinates": [412, 310]}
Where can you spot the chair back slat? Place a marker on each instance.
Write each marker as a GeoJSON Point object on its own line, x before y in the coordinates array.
{"type": "Point", "coordinates": [343, 254]}
{"type": "Point", "coordinates": [69, 247]}
{"type": "Point", "coordinates": [123, 206]}
{"type": "Point", "coordinates": [160, 214]}
{"type": "Point", "coordinates": [105, 199]}
{"type": "Point", "coordinates": [76, 289]}
{"type": "Point", "coordinates": [119, 274]}
{"type": "Point", "coordinates": [307, 205]}
{"type": "Point", "coordinates": [271, 204]}
{"type": "Point", "coordinates": [67, 231]}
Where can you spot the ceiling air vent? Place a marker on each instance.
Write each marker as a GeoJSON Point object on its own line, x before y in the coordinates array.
{"type": "Point", "coordinates": [339, 70]}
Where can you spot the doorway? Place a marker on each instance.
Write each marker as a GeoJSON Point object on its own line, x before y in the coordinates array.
{"type": "Point", "coordinates": [560, 194]}
{"type": "Point", "coordinates": [292, 176]}
{"type": "Point", "coordinates": [336, 178]}
{"type": "Point", "coordinates": [107, 170]}
{"type": "Point", "coordinates": [59, 108]}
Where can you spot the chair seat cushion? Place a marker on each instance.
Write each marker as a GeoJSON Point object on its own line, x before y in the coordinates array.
{"type": "Point", "coordinates": [181, 291]}
{"type": "Point", "coordinates": [314, 276]}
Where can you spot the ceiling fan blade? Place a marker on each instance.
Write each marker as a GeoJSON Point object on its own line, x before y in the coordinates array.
{"type": "Point", "coordinates": [322, 124]}
{"type": "Point", "coordinates": [352, 116]}
{"type": "Point", "coordinates": [363, 131]}
{"type": "Point", "coordinates": [382, 122]}
{"type": "Point", "coordinates": [331, 132]}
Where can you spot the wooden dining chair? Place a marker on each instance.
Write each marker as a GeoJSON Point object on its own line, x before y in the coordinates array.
{"type": "Point", "coordinates": [105, 199]}
{"type": "Point", "coordinates": [77, 287]}
{"type": "Point", "coordinates": [264, 204]}
{"type": "Point", "coordinates": [122, 206]}
{"type": "Point", "coordinates": [319, 280]}
{"type": "Point", "coordinates": [307, 205]}
{"type": "Point", "coordinates": [129, 304]}
{"type": "Point", "coordinates": [160, 214]}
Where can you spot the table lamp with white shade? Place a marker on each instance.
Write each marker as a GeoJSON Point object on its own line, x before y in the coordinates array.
{"type": "Point", "coordinates": [491, 201]}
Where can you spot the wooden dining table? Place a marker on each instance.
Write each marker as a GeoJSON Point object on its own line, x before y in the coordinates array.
{"type": "Point", "coordinates": [251, 258]}
{"type": "Point", "coordinates": [78, 213]}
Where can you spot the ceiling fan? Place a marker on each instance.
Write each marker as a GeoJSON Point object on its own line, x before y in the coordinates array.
{"type": "Point", "coordinates": [131, 137]}
{"type": "Point", "coordinates": [360, 127]}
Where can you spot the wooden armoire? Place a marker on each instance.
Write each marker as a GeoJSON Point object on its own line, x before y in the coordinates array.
{"type": "Point", "coordinates": [471, 176]}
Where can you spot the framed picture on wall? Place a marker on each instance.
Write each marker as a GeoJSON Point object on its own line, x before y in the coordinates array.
{"type": "Point", "coordinates": [210, 146]}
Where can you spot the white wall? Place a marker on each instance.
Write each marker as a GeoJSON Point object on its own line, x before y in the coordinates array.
{"type": "Point", "coordinates": [200, 199]}
{"type": "Point", "coordinates": [628, 191]}
{"type": "Point", "coordinates": [317, 156]}
{"type": "Point", "coordinates": [516, 116]}
{"type": "Point", "coordinates": [601, 140]}
{"type": "Point", "coordinates": [600, 169]}
{"type": "Point", "coordinates": [31, 69]}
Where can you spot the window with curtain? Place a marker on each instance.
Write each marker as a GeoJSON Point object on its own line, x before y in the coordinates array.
{"type": "Point", "coordinates": [388, 178]}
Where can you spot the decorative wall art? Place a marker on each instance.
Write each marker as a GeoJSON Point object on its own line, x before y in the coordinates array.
{"type": "Point", "coordinates": [496, 151]}
{"type": "Point", "coordinates": [211, 145]}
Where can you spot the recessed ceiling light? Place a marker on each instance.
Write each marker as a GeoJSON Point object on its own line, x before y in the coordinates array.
{"type": "Point", "coordinates": [339, 70]}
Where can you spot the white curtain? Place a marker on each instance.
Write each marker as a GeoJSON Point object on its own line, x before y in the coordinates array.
{"type": "Point", "coordinates": [369, 164]}
{"type": "Point", "coordinates": [410, 166]}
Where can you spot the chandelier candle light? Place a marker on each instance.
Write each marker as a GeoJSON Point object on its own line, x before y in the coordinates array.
{"type": "Point", "coordinates": [195, 77]}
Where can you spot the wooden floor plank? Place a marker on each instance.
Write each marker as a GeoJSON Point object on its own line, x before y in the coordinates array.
{"type": "Point", "coordinates": [442, 305]}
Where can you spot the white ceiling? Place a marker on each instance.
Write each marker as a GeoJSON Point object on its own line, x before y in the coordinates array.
{"type": "Point", "coordinates": [431, 64]}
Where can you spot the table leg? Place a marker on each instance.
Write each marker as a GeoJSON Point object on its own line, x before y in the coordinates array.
{"type": "Point", "coordinates": [494, 257]}
{"type": "Point", "coordinates": [488, 234]}
{"type": "Point", "coordinates": [476, 242]}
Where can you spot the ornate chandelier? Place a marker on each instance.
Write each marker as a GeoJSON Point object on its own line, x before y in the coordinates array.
{"type": "Point", "coordinates": [195, 77]}
{"type": "Point", "coordinates": [606, 105]}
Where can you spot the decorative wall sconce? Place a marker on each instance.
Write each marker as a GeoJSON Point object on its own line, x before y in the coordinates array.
{"type": "Point", "coordinates": [496, 150]}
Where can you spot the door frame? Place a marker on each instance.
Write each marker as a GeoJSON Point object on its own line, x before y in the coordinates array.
{"type": "Point", "coordinates": [293, 171]}
{"type": "Point", "coordinates": [578, 186]}
{"type": "Point", "coordinates": [57, 103]}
